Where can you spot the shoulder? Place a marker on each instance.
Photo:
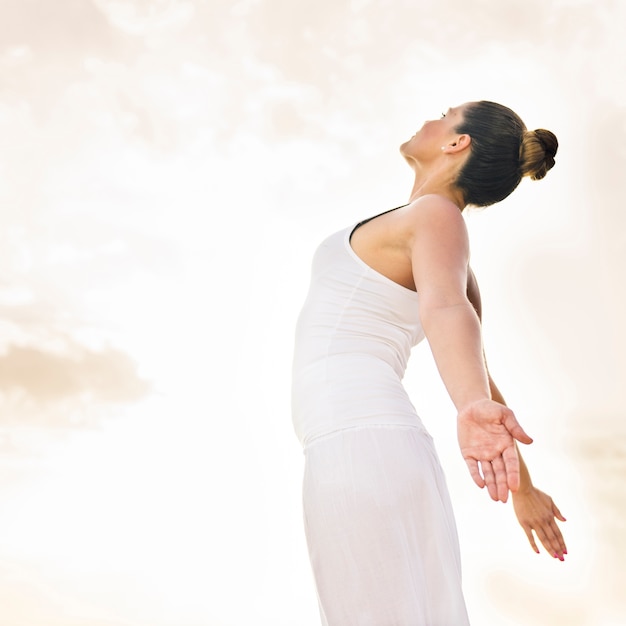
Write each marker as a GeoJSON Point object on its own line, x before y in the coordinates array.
{"type": "Point", "coordinates": [439, 246]}
{"type": "Point", "coordinates": [434, 215]}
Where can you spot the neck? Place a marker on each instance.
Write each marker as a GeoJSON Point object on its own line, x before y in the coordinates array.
{"type": "Point", "coordinates": [437, 181]}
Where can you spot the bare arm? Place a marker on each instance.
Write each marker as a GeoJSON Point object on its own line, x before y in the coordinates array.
{"type": "Point", "coordinates": [524, 475]}
{"type": "Point", "coordinates": [486, 429]}
{"type": "Point", "coordinates": [535, 510]}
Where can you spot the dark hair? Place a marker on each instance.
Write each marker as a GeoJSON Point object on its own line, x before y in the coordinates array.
{"type": "Point", "coordinates": [501, 153]}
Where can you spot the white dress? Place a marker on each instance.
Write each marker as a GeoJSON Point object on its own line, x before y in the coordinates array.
{"type": "Point", "coordinates": [379, 524]}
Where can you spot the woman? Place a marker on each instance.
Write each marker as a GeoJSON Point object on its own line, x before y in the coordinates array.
{"type": "Point", "coordinates": [379, 524]}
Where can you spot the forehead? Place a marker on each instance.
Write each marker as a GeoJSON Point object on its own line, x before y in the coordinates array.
{"type": "Point", "coordinates": [459, 108]}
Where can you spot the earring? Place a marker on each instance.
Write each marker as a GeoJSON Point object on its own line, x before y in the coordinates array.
{"type": "Point", "coordinates": [443, 147]}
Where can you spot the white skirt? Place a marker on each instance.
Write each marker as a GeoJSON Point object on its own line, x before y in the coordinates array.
{"type": "Point", "coordinates": [380, 530]}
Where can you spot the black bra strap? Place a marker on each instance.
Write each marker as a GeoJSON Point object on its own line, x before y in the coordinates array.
{"type": "Point", "coordinates": [369, 219]}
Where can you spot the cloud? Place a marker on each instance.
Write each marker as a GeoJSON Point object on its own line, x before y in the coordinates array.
{"type": "Point", "coordinates": [65, 387]}
{"type": "Point", "coordinates": [45, 44]}
{"type": "Point", "coordinates": [605, 152]}
{"type": "Point", "coordinates": [60, 29]}
{"type": "Point", "coordinates": [325, 42]}
{"type": "Point", "coordinates": [27, 599]}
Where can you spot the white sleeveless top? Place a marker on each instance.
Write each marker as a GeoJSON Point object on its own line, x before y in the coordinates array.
{"type": "Point", "coordinates": [353, 339]}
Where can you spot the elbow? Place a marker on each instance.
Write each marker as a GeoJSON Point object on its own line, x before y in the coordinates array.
{"type": "Point", "coordinates": [431, 308]}
{"type": "Point", "coordinates": [434, 313]}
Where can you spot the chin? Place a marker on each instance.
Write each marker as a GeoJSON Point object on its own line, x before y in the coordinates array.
{"type": "Point", "coordinates": [409, 149]}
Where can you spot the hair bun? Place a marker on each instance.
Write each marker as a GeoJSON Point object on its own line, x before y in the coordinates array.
{"type": "Point", "coordinates": [537, 152]}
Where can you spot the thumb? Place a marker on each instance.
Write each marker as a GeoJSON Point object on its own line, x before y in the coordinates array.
{"type": "Point", "coordinates": [517, 432]}
{"type": "Point", "coordinates": [557, 513]}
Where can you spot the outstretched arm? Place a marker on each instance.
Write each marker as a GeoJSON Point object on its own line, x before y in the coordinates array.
{"type": "Point", "coordinates": [486, 430]}
{"type": "Point", "coordinates": [535, 510]}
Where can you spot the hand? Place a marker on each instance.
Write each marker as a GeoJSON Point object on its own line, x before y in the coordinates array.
{"type": "Point", "coordinates": [536, 511]}
{"type": "Point", "coordinates": [486, 431]}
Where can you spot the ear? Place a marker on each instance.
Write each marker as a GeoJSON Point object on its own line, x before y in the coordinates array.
{"type": "Point", "coordinates": [458, 144]}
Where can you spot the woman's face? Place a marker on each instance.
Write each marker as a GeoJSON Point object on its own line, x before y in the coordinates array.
{"type": "Point", "coordinates": [429, 139]}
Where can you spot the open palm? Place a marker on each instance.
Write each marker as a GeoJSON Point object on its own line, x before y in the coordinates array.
{"type": "Point", "coordinates": [486, 432]}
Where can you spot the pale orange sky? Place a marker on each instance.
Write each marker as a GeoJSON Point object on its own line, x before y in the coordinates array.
{"type": "Point", "coordinates": [166, 171]}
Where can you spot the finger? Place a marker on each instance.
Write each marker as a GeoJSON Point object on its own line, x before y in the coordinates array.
{"type": "Point", "coordinates": [472, 465]}
{"type": "Point", "coordinates": [557, 513]}
{"type": "Point", "coordinates": [554, 535]}
{"type": "Point", "coordinates": [513, 426]}
{"type": "Point", "coordinates": [545, 540]}
{"type": "Point", "coordinates": [490, 479]}
{"type": "Point", "coordinates": [556, 531]}
{"type": "Point", "coordinates": [531, 539]}
{"type": "Point", "coordinates": [550, 541]}
{"type": "Point", "coordinates": [511, 465]}
{"type": "Point", "coordinates": [502, 486]}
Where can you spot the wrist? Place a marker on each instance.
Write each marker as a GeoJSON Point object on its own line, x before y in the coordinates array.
{"type": "Point", "coordinates": [465, 404]}
{"type": "Point", "coordinates": [525, 489]}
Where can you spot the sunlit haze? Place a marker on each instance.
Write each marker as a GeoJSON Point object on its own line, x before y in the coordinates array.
{"type": "Point", "coordinates": [167, 168]}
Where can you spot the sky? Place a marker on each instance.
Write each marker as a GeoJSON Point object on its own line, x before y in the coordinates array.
{"type": "Point", "coordinates": [167, 169]}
